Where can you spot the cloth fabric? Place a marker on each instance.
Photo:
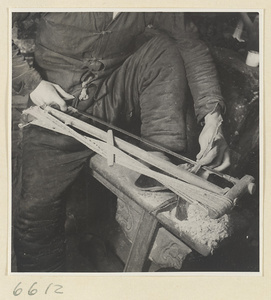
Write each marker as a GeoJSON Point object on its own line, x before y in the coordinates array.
{"type": "Point", "coordinates": [73, 47]}
{"type": "Point", "coordinates": [51, 161]}
{"type": "Point", "coordinates": [143, 89]}
{"type": "Point", "coordinates": [24, 78]}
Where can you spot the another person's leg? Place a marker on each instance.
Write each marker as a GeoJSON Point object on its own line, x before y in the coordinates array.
{"type": "Point", "coordinates": [50, 163]}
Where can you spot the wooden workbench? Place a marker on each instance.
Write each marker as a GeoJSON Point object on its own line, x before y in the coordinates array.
{"type": "Point", "coordinates": [161, 238]}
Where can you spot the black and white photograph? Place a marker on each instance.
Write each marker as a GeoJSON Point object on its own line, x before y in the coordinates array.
{"type": "Point", "coordinates": [135, 142]}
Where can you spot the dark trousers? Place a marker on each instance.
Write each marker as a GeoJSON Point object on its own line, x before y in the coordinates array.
{"type": "Point", "coordinates": [150, 84]}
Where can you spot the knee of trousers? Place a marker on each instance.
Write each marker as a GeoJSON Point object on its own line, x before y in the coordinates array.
{"type": "Point", "coordinates": [162, 46]}
{"type": "Point", "coordinates": [163, 95]}
{"type": "Point", "coordinates": [162, 40]}
{"type": "Point", "coordinates": [34, 136]}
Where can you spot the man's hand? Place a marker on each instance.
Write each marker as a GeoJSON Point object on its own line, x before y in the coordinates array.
{"type": "Point", "coordinates": [214, 151]}
{"type": "Point", "coordinates": [49, 93]}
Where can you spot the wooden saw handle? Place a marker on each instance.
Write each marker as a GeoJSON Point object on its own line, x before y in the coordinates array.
{"type": "Point", "coordinates": [244, 185]}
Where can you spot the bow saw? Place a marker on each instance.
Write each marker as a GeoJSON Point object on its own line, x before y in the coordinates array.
{"type": "Point", "coordinates": [189, 186]}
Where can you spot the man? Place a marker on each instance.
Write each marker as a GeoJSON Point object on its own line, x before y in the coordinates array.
{"type": "Point", "coordinates": [90, 60]}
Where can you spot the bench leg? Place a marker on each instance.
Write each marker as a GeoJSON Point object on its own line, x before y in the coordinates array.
{"type": "Point", "coordinates": [142, 243]}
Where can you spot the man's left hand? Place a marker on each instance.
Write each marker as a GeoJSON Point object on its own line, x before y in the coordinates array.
{"type": "Point", "coordinates": [214, 151]}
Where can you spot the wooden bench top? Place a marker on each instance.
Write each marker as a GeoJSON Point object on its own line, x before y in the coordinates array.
{"type": "Point", "coordinates": [197, 231]}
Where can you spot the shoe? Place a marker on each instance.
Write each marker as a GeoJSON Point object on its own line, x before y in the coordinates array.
{"type": "Point", "coordinates": [146, 183]}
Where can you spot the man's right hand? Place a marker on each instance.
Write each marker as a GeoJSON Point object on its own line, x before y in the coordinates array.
{"type": "Point", "coordinates": [49, 93]}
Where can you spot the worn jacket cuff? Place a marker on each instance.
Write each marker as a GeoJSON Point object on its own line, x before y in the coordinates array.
{"type": "Point", "coordinates": [209, 106]}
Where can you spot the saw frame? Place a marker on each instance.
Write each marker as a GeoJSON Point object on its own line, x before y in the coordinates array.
{"type": "Point", "coordinates": [189, 186]}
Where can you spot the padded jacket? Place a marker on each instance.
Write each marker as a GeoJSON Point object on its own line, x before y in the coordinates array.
{"type": "Point", "coordinates": [72, 46]}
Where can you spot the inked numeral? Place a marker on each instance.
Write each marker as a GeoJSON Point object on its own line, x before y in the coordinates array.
{"type": "Point", "coordinates": [59, 288]}
{"type": "Point", "coordinates": [33, 291]}
{"type": "Point", "coordinates": [17, 291]}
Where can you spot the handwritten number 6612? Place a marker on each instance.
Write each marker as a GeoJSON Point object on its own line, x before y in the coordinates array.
{"type": "Point", "coordinates": [32, 291]}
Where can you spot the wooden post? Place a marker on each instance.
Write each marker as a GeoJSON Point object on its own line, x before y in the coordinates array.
{"type": "Point", "coordinates": [110, 153]}
{"type": "Point", "coordinates": [142, 243]}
